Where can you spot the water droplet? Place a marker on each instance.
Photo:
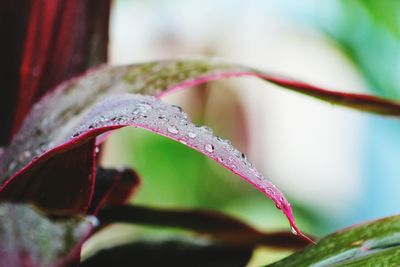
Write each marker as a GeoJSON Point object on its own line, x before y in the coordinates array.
{"type": "Point", "coordinates": [233, 166]}
{"type": "Point", "coordinates": [92, 220]}
{"type": "Point", "coordinates": [293, 230]}
{"type": "Point", "coordinates": [178, 108]}
{"type": "Point", "coordinates": [27, 154]}
{"type": "Point", "coordinates": [192, 134]}
{"type": "Point", "coordinates": [146, 105]}
{"type": "Point", "coordinates": [209, 148]}
{"type": "Point", "coordinates": [237, 153]}
{"type": "Point", "coordinates": [172, 129]}
{"type": "Point", "coordinates": [97, 150]}
{"type": "Point", "coordinates": [163, 118]}
{"type": "Point", "coordinates": [220, 159]}
{"type": "Point", "coordinates": [206, 129]}
{"type": "Point", "coordinates": [13, 164]}
{"type": "Point", "coordinates": [141, 109]}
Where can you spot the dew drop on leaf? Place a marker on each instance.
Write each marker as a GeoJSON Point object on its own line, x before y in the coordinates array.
{"type": "Point", "coordinates": [178, 108]}
{"type": "Point", "coordinates": [192, 134]}
{"type": "Point", "coordinates": [206, 129]}
{"type": "Point", "coordinates": [209, 148]}
{"type": "Point", "coordinates": [293, 230]}
{"type": "Point", "coordinates": [172, 129]}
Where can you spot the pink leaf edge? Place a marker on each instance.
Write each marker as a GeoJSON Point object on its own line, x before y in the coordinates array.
{"type": "Point", "coordinates": [149, 113]}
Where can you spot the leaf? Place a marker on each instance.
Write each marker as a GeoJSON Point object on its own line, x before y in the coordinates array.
{"type": "Point", "coordinates": [220, 227]}
{"type": "Point", "coordinates": [62, 182]}
{"type": "Point", "coordinates": [130, 110]}
{"type": "Point", "coordinates": [178, 252]}
{"type": "Point", "coordinates": [27, 238]}
{"type": "Point", "coordinates": [51, 125]}
{"type": "Point", "coordinates": [14, 17]}
{"type": "Point", "coordinates": [375, 243]}
{"type": "Point", "coordinates": [63, 39]}
{"type": "Point", "coordinates": [46, 42]}
{"type": "Point", "coordinates": [113, 187]}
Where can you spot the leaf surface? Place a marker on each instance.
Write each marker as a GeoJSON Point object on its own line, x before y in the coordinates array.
{"type": "Point", "coordinates": [139, 111]}
{"type": "Point", "coordinates": [65, 123]}
{"type": "Point", "coordinates": [375, 243]}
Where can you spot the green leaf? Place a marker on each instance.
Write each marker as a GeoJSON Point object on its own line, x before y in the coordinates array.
{"type": "Point", "coordinates": [374, 243]}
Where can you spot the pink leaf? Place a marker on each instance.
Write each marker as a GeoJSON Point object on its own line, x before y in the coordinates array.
{"type": "Point", "coordinates": [151, 114]}
{"type": "Point", "coordinates": [67, 120]}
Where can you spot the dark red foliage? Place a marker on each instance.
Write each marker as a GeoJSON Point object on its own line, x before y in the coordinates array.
{"type": "Point", "coordinates": [112, 188]}
{"type": "Point", "coordinates": [13, 21]}
{"type": "Point", "coordinates": [52, 185]}
{"type": "Point", "coordinates": [46, 43]}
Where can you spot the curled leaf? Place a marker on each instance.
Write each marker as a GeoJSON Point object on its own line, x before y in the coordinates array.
{"type": "Point", "coordinates": [66, 122]}
{"type": "Point", "coordinates": [151, 114]}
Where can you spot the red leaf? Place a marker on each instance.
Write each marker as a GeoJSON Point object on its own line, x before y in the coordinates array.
{"type": "Point", "coordinates": [50, 124]}
{"type": "Point", "coordinates": [51, 41]}
{"type": "Point", "coordinates": [113, 187]}
{"type": "Point", "coordinates": [63, 182]}
{"type": "Point", "coordinates": [217, 226]}
{"type": "Point", "coordinates": [13, 20]}
{"type": "Point", "coordinates": [144, 112]}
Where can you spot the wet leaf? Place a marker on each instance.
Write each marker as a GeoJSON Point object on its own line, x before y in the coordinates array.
{"type": "Point", "coordinates": [139, 111]}
{"type": "Point", "coordinates": [68, 119]}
